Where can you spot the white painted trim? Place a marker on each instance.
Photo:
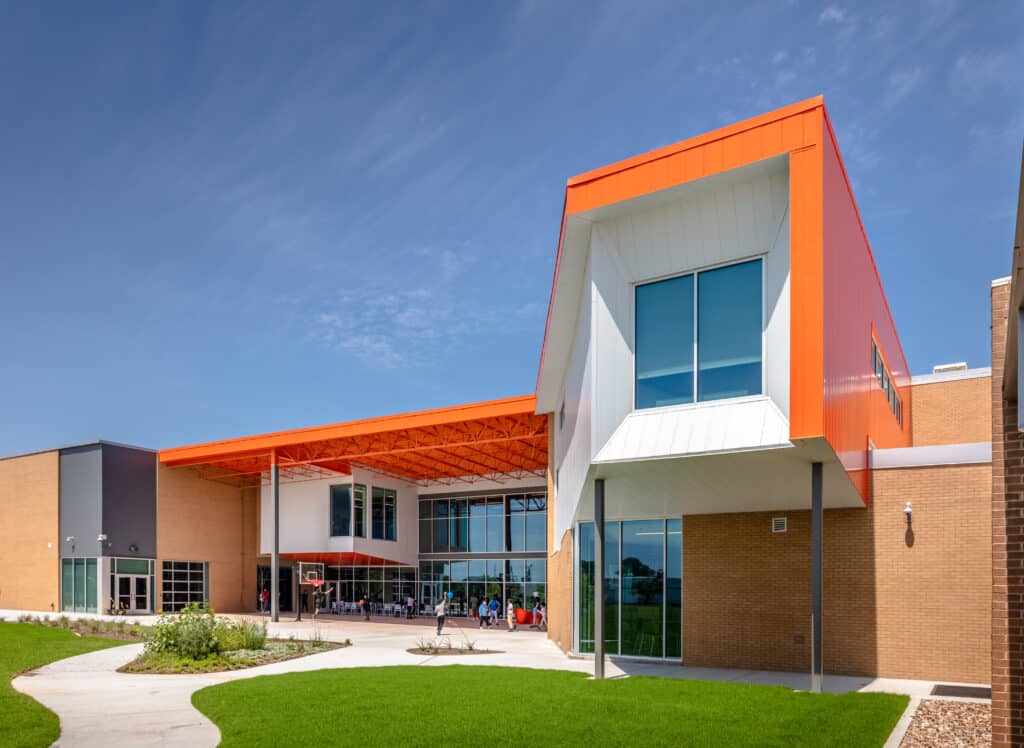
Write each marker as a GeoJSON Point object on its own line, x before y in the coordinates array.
{"type": "Point", "coordinates": [975, 453]}
{"type": "Point", "coordinates": [951, 376]}
{"type": "Point", "coordinates": [1001, 281]}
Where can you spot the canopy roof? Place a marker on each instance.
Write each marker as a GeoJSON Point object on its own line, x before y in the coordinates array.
{"type": "Point", "coordinates": [494, 440]}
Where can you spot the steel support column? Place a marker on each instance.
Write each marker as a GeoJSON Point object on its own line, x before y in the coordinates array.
{"type": "Point", "coordinates": [816, 558]}
{"type": "Point", "coordinates": [599, 579]}
{"type": "Point", "coordinates": [275, 557]}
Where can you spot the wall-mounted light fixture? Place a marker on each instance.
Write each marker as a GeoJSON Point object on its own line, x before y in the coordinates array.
{"type": "Point", "coordinates": [908, 512]}
{"type": "Point", "coordinates": [101, 538]}
{"type": "Point", "coordinates": [133, 548]}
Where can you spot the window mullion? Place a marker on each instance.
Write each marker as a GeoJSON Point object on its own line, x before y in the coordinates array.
{"type": "Point", "coordinates": [696, 329]}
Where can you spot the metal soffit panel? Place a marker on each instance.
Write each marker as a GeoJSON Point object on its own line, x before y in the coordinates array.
{"type": "Point", "coordinates": [465, 444]}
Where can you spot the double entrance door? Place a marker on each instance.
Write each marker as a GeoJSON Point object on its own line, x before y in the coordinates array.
{"type": "Point", "coordinates": [131, 592]}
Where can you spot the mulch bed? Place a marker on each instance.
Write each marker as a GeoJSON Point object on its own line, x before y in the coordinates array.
{"type": "Point", "coordinates": [276, 651]}
{"type": "Point", "coordinates": [452, 651]}
{"type": "Point", "coordinates": [938, 723]}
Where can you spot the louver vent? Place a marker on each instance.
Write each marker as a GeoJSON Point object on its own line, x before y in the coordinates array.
{"type": "Point", "coordinates": [778, 524]}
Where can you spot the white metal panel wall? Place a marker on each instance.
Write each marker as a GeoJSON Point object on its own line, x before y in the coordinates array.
{"type": "Point", "coordinates": [406, 548]}
{"type": "Point", "coordinates": [305, 519]}
{"type": "Point", "coordinates": [574, 447]}
{"type": "Point", "coordinates": [730, 222]}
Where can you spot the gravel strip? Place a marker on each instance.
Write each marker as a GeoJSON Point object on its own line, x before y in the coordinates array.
{"type": "Point", "coordinates": [938, 723]}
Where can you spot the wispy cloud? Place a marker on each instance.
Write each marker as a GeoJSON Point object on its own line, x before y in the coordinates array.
{"type": "Point", "coordinates": [975, 70]}
{"type": "Point", "coordinates": [902, 84]}
{"type": "Point", "coordinates": [832, 14]}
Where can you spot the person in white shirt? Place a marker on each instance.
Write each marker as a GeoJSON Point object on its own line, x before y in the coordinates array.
{"type": "Point", "coordinates": [510, 614]}
{"type": "Point", "coordinates": [439, 612]}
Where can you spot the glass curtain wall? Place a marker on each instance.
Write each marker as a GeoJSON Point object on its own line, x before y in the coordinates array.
{"type": "Point", "coordinates": [486, 524]}
{"type": "Point", "coordinates": [643, 588]}
{"type": "Point", "coordinates": [79, 577]}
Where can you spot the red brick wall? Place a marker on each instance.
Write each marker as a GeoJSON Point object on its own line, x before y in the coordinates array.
{"type": "Point", "coordinates": [1007, 653]}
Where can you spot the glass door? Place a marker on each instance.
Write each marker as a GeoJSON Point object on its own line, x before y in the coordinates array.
{"type": "Point", "coordinates": [132, 593]}
{"type": "Point", "coordinates": [141, 596]}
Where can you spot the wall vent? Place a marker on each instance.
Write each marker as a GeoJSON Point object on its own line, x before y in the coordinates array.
{"type": "Point", "coordinates": [778, 524]}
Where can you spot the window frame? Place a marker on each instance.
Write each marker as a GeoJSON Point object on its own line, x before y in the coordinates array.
{"type": "Point", "coordinates": [347, 530]}
{"type": "Point", "coordinates": [695, 272]}
{"type": "Point", "coordinates": [386, 495]}
{"type": "Point", "coordinates": [358, 510]}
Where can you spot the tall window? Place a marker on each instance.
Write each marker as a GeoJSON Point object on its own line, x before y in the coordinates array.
{"type": "Point", "coordinates": [341, 510]}
{"type": "Point", "coordinates": [707, 323]}
{"type": "Point", "coordinates": [384, 514]}
{"type": "Point", "coordinates": [359, 510]}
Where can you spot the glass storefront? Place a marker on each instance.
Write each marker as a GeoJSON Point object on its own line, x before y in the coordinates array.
{"type": "Point", "coordinates": [643, 588]}
{"type": "Point", "coordinates": [79, 585]}
{"type": "Point", "coordinates": [384, 584]}
{"type": "Point", "coordinates": [521, 580]}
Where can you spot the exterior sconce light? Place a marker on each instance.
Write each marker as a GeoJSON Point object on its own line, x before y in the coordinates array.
{"type": "Point", "coordinates": [133, 548]}
{"type": "Point", "coordinates": [69, 539]}
{"type": "Point", "coordinates": [908, 512]}
{"type": "Point", "coordinates": [101, 538]}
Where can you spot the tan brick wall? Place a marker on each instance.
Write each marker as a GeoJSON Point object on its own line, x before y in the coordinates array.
{"type": "Point", "coordinates": [891, 607]}
{"type": "Point", "coordinates": [560, 607]}
{"type": "Point", "coordinates": [1007, 642]}
{"type": "Point", "coordinates": [560, 564]}
{"type": "Point", "coordinates": [30, 532]}
{"type": "Point", "coordinates": [953, 412]}
{"type": "Point", "coordinates": [201, 520]}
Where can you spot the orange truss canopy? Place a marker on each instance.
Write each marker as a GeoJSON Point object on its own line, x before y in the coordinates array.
{"type": "Point", "coordinates": [493, 440]}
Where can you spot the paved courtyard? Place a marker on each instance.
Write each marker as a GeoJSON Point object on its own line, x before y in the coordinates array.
{"type": "Point", "coordinates": [98, 706]}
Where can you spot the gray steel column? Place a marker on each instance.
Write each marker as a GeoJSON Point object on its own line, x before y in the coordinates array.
{"type": "Point", "coordinates": [275, 558]}
{"type": "Point", "coordinates": [816, 533]}
{"type": "Point", "coordinates": [599, 579]}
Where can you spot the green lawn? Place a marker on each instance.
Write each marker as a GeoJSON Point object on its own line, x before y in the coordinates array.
{"type": "Point", "coordinates": [477, 705]}
{"type": "Point", "coordinates": [23, 646]}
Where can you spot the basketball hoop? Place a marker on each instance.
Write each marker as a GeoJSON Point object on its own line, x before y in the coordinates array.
{"type": "Point", "coordinates": [316, 582]}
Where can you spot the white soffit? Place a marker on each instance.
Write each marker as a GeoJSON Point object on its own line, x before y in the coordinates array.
{"type": "Point", "coordinates": [706, 428]}
{"type": "Point", "coordinates": [975, 453]}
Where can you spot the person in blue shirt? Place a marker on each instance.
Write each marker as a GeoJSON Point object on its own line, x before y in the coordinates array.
{"type": "Point", "coordinates": [482, 611]}
{"type": "Point", "coordinates": [493, 608]}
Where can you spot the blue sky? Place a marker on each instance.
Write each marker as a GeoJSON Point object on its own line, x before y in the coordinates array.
{"type": "Point", "coordinates": [218, 220]}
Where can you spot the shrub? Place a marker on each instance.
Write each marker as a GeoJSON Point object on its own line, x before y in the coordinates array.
{"type": "Point", "coordinates": [65, 622]}
{"type": "Point", "coordinates": [192, 633]}
{"type": "Point", "coordinates": [253, 634]}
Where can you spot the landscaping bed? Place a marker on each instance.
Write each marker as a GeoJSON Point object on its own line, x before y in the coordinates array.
{"type": "Point", "coordinates": [197, 641]}
{"type": "Point", "coordinates": [939, 723]}
{"type": "Point", "coordinates": [445, 646]}
{"type": "Point", "coordinates": [119, 630]}
{"type": "Point", "coordinates": [274, 650]}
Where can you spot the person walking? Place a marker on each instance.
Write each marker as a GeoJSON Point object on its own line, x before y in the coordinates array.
{"type": "Point", "coordinates": [265, 601]}
{"type": "Point", "coordinates": [439, 612]}
{"type": "Point", "coordinates": [510, 615]}
{"type": "Point", "coordinates": [483, 614]}
{"type": "Point", "coordinates": [410, 607]}
{"type": "Point", "coordinates": [364, 604]}
{"type": "Point", "coordinates": [492, 608]}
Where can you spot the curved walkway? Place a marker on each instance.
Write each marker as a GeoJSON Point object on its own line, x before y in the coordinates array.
{"type": "Point", "coordinates": [98, 706]}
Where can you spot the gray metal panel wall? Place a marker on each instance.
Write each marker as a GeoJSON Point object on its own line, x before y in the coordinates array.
{"type": "Point", "coordinates": [81, 500]}
{"type": "Point", "coordinates": [129, 501]}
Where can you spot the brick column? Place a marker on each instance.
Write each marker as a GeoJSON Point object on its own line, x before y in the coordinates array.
{"type": "Point", "coordinates": [1007, 545]}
